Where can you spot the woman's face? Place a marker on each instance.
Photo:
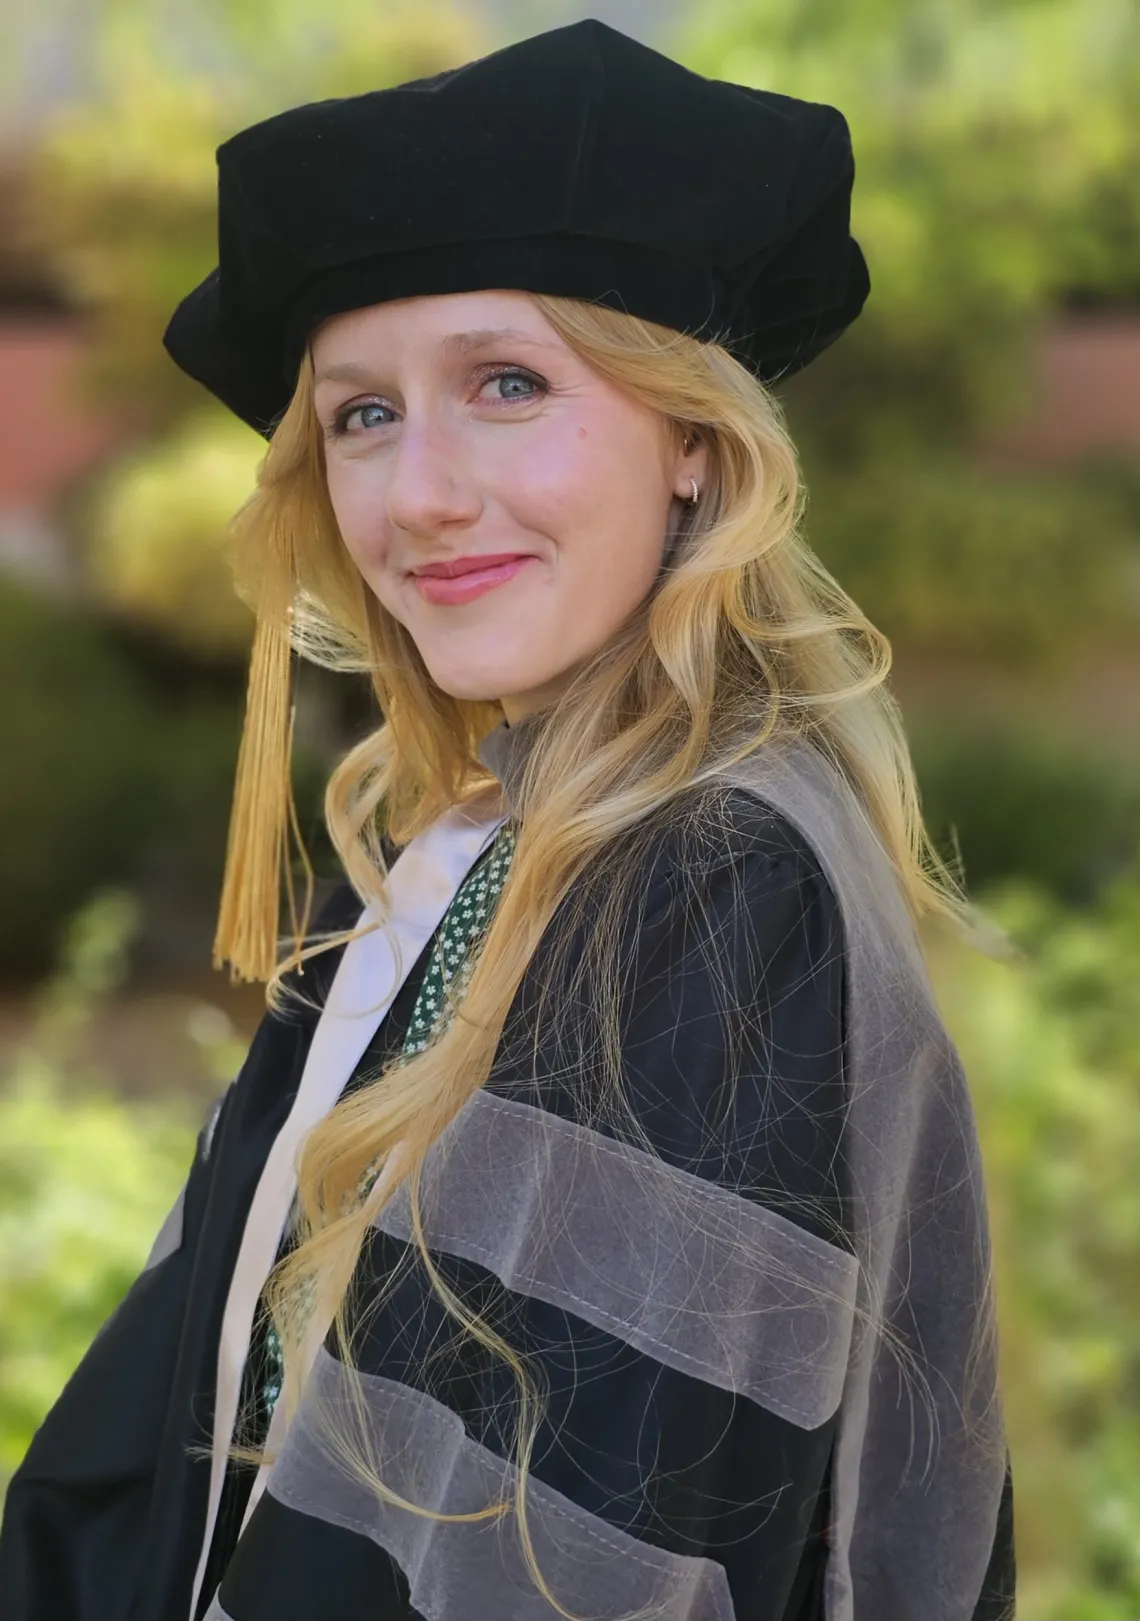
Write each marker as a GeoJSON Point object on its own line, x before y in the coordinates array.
{"type": "Point", "coordinates": [461, 426]}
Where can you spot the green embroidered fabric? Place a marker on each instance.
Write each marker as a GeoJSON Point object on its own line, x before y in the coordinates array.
{"type": "Point", "coordinates": [454, 954]}
{"type": "Point", "coordinates": [457, 940]}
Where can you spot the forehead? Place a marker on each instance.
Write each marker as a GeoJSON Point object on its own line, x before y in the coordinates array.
{"type": "Point", "coordinates": [442, 321]}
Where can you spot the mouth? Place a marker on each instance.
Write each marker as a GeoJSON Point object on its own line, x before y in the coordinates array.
{"type": "Point", "coordinates": [469, 578]}
{"type": "Point", "coordinates": [465, 565]}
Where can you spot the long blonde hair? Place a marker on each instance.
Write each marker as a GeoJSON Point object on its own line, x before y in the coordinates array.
{"type": "Point", "coordinates": [746, 636]}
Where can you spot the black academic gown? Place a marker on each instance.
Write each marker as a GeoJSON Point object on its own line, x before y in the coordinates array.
{"type": "Point", "coordinates": [104, 1519]}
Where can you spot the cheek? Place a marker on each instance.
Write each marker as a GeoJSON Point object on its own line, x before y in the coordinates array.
{"type": "Point", "coordinates": [549, 475]}
{"type": "Point", "coordinates": [621, 499]}
{"type": "Point", "coordinates": [358, 506]}
{"type": "Point", "coordinates": [585, 486]}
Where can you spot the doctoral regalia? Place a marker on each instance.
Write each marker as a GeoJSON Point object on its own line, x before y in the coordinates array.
{"type": "Point", "coordinates": [762, 1331]}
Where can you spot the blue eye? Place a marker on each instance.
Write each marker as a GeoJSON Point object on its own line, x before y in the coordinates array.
{"type": "Point", "coordinates": [341, 420]}
{"type": "Point", "coordinates": [514, 375]}
{"type": "Point", "coordinates": [364, 409]}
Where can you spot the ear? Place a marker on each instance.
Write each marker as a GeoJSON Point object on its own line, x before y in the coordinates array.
{"type": "Point", "coordinates": [693, 462]}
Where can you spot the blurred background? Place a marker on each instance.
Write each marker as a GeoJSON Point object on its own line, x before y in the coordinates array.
{"type": "Point", "coordinates": [972, 450]}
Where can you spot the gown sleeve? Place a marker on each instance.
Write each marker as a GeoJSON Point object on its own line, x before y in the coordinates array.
{"type": "Point", "coordinates": [741, 1084]}
{"type": "Point", "coordinates": [102, 1518]}
{"type": "Point", "coordinates": [734, 1039]}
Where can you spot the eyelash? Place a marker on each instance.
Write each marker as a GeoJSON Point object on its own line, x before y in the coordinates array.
{"type": "Point", "coordinates": [337, 427]}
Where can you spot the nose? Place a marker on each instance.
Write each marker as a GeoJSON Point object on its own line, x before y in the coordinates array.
{"type": "Point", "coordinates": [429, 488]}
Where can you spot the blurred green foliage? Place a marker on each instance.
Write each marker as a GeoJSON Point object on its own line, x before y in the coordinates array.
{"type": "Point", "coordinates": [84, 735]}
{"type": "Point", "coordinates": [158, 530]}
{"type": "Point", "coordinates": [997, 148]}
{"type": "Point", "coordinates": [85, 1180]}
{"type": "Point", "coordinates": [1017, 798]}
{"type": "Point", "coordinates": [126, 774]}
{"type": "Point", "coordinates": [1026, 570]}
{"type": "Point", "coordinates": [1053, 1053]}
{"type": "Point", "coordinates": [1037, 90]}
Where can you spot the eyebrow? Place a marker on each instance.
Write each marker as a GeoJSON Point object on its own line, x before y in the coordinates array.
{"type": "Point", "coordinates": [456, 343]}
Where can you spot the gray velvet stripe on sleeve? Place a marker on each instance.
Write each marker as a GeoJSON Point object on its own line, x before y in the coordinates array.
{"type": "Point", "coordinates": [169, 1238]}
{"type": "Point", "coordinates": [472, 1570]}
{"type": "Point", "coordinates": [698, 1277]}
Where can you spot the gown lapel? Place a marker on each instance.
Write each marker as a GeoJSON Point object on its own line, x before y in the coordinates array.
{"type": "Point", "coordinates": [422, 882]}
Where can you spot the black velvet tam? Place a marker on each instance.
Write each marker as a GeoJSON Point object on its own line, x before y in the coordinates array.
{"type": "Point", "coordinates": [577, 162]}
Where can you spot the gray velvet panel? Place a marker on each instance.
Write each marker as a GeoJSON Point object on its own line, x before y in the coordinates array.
{"type": "Point", "coordinates": [472, 1571]}
{"type": "Point", "coordinates": [169, 1236]}
{"type": "Point", "coordinates": [695, 1276]}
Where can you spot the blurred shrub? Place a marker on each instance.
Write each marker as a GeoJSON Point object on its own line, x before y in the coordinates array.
{"type": "Point", "coordinates": [996, 149]}
{"type": "Point", "coordinates": [181, 867]}
{"type": "Point", "coordinates": [1023, 801]}
{"type": "Point", "coordinates": [157, 533]}
{"type": "Point", "coordinates": [123, 774]}
{"type": "Point", "coordinates": [1053, 1053]}
{"type": "Point", "coordinates": [77, 793]}
{"type": "Point", "coordinates": [1028, 570]}
{"type": "Point", "coordinates": [85, 1180]}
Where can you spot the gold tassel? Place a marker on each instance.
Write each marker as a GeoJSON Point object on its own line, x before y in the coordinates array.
{"type": "Point", "coordinates": [299, 930]}
{"type": "Point", "coordinates": [263, 811]}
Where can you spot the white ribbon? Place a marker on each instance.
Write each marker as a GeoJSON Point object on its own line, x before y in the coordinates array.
{"type": "Point", "coordinates": [422, 882]}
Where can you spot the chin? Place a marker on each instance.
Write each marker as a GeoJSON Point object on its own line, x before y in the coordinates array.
{"type": "Point", "coordinates": [478, 680]}
{"type": "Point", "coordinates": [487, 690]}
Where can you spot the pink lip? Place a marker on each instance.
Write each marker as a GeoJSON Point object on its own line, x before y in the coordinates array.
{"type": "Point", "coordinates": [467, 565]}
{"type": "Point", "coordinates": [464, 587]}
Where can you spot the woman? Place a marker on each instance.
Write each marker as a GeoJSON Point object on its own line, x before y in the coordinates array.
{"type": "Point", "coordinates": [596, 1227]}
